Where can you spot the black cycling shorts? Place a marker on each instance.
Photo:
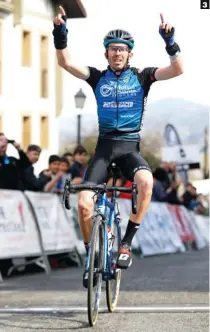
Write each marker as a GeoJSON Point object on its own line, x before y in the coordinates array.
{"type": "Point", "coordinates": [126, 155]}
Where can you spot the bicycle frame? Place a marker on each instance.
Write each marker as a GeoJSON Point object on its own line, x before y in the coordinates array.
{"type": "Point", "coordinates": [101, 207]}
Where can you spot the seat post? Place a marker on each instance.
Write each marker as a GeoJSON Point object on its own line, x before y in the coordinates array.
{"type": "Point", "coordinates": [114, 169]}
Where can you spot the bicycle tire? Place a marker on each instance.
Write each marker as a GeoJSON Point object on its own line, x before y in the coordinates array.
{"type": "Point", "coordinates": [97, 230]}
{"type": "Point", "coordinates": [112, 296]}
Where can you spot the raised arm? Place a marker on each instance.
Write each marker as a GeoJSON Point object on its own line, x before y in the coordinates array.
{"type": "Point", "coordinates": [176, 67]}
{"type": "Point", "coordinates": [60, 33]}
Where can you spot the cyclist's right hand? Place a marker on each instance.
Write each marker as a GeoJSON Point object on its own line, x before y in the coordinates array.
{"type": "Point", "coordinates": [60, 40]}
{"type": "Point", "coordinates": [61, 17]}
{"type": "Point", "coordinates": [60, 31]}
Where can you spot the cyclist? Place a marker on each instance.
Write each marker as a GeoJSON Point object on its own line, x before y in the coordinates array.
{"type": "Point", "coordinates": [121, 93]}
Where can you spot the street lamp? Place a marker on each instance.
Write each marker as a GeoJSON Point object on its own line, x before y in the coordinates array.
{"type": "Point", "coordinates": [80, 98]}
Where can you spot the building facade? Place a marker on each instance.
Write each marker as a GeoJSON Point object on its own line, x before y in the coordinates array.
{"type": "Point", "coordinates": [30, 80]}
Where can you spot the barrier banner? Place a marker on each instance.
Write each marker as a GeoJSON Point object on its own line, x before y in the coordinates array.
{"type": "Point", "coordinates": [18, 234]}
{"type": "Point", "coordinates": [202, 224]}
{"type": "Point", "coordinates": [181, 223]}
{"type": "Point", "coordinates": [190, 216]}
{"type": "Point", "coordinates": [56, 230]}
{"type": "Point", "coordinates": [157, 233]}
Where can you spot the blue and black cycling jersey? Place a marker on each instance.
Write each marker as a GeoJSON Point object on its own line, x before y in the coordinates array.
{"type": "Point", "coordinates": [121, 100]}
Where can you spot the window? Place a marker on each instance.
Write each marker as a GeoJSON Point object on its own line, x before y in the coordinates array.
{"type": "Point", "coordinates": [26, 49]}
{"type": "Point", "coordinates": [44, 132]}
{"type": "Point", "coordinates": [44, 83]}
{"type": "Point", "coordinates": [44, 67]}
{"type": "Point", "coordinates": [26, 131]}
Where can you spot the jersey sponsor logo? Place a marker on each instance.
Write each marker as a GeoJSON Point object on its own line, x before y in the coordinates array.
{"type": "Point", "coordinates": [120, 91]}
{"type": "Point", "coordinates": [122, 104]}
{"type": "Point", "coordinates": [106, 90]}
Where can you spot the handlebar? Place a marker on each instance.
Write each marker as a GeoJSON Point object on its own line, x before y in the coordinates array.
{"type": "Point", "coordinates": [98, 188]}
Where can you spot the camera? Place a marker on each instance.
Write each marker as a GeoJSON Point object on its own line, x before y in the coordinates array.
{"type": "Point", "coordinates": [11, 141]}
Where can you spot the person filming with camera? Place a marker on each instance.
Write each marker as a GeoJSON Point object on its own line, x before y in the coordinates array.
{"type": "Point", "coordinates": [11, 168]}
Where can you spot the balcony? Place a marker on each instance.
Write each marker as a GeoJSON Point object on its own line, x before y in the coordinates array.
{"type": "Point", "coordinates": [6, 7]}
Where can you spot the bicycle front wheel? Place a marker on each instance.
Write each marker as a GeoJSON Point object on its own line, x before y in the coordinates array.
{"type": "Point", "coordinates": [113, 285]}
{"type": "Point", "coordinates": [95, 270]}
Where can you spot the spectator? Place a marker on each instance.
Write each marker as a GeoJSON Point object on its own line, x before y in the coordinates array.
{"type": "Point", "coordinates": [64, 168]}
{"type": "Point", "coordinates": [161, 174]}
{"type": "Point", "coordinates": [54, 184]}
{"type": "Point", "coordinates": [191, 199]}
{"type": "Point", "coordinates": [158, 192]}
{"type": "Point", "coordinates": [69, 156]}
{"type": "Point", "coordinates": [188, 195]}
{"type": "Point", "coordinates": [30, 181]}
{"type": "Point", "coordinates": [11, 168]}
{"type": "Point", "coordinates": [172, 172]}
{"type": "Point", "coordinates": [78, 168]}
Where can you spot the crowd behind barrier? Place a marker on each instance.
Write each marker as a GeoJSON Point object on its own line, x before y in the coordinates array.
{"type": "Point", "coordinates": [37, 225]}
{"type": "Point", "coordinates": [18, 174]}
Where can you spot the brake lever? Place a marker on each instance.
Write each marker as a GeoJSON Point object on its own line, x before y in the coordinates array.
{"type": "Point", "coordinates": [134, 198]}
{"type": "Point", "coordinates": [66, 195]}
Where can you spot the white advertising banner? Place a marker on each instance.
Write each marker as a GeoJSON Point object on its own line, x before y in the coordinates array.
{"type": "Point", "coordinates": [191, 217]}
{"type": "Point", "coordinates": [18, 233]}
{"type": "Point", "coordinates": [157, 233]}
{"type": "Point", "coordinates": [203, 227]}
{"type": "Point", "coordinates": [57, 232]}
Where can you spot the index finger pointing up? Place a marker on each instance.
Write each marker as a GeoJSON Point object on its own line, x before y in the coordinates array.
{"type": "Point", "coordinates": [62, 11]}
{"type": "Point", "coordinates": [162, 18]}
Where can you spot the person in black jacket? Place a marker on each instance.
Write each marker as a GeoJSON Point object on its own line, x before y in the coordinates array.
{"type": "Point", "coordinates": [30, 181]}
{"type": "Point", "coordinates": [11, 168]}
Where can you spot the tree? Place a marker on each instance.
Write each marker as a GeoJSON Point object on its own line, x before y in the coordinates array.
{"type": "Point", "coordinates": [90, 143]}
{"type": "Point", "coordinates": [150, 148]}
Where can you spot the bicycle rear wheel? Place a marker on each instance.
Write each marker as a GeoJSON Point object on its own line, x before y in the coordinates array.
{"type": "Point", "coordinates": [113, 285]}
{"type": "Point", "coordinates": [95, 270]}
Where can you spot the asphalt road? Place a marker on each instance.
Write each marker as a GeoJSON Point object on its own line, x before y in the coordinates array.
{"type": "Point", "coordinates": [170, 280]}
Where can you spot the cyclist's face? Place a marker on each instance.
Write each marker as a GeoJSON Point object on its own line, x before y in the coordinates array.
{"type": "Point", "coordinates": [118, 55]}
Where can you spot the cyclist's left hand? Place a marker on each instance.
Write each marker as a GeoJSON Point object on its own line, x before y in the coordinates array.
{"type": "Point", "coordinates": [165, 25]}
{"type": "Point", "coordinates": [166, 31]}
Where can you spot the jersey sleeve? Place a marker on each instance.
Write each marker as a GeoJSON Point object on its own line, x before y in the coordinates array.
{"type": "Point", "coordinates": [147, 77]}
{"type": "Point", "coordinates": [94, 77]}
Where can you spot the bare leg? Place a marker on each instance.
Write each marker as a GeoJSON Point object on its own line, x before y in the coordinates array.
{"type": "Point", "coordinates": [144, 181]}
{"type": "Point", "coordinates": [85, 212]}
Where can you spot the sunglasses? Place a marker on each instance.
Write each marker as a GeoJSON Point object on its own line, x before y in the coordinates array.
{"type": "Point", "coordinates": [121, 49]}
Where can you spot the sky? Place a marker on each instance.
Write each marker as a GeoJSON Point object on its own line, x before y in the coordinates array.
{"type": "Point", "coordinates": [142, 19]}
